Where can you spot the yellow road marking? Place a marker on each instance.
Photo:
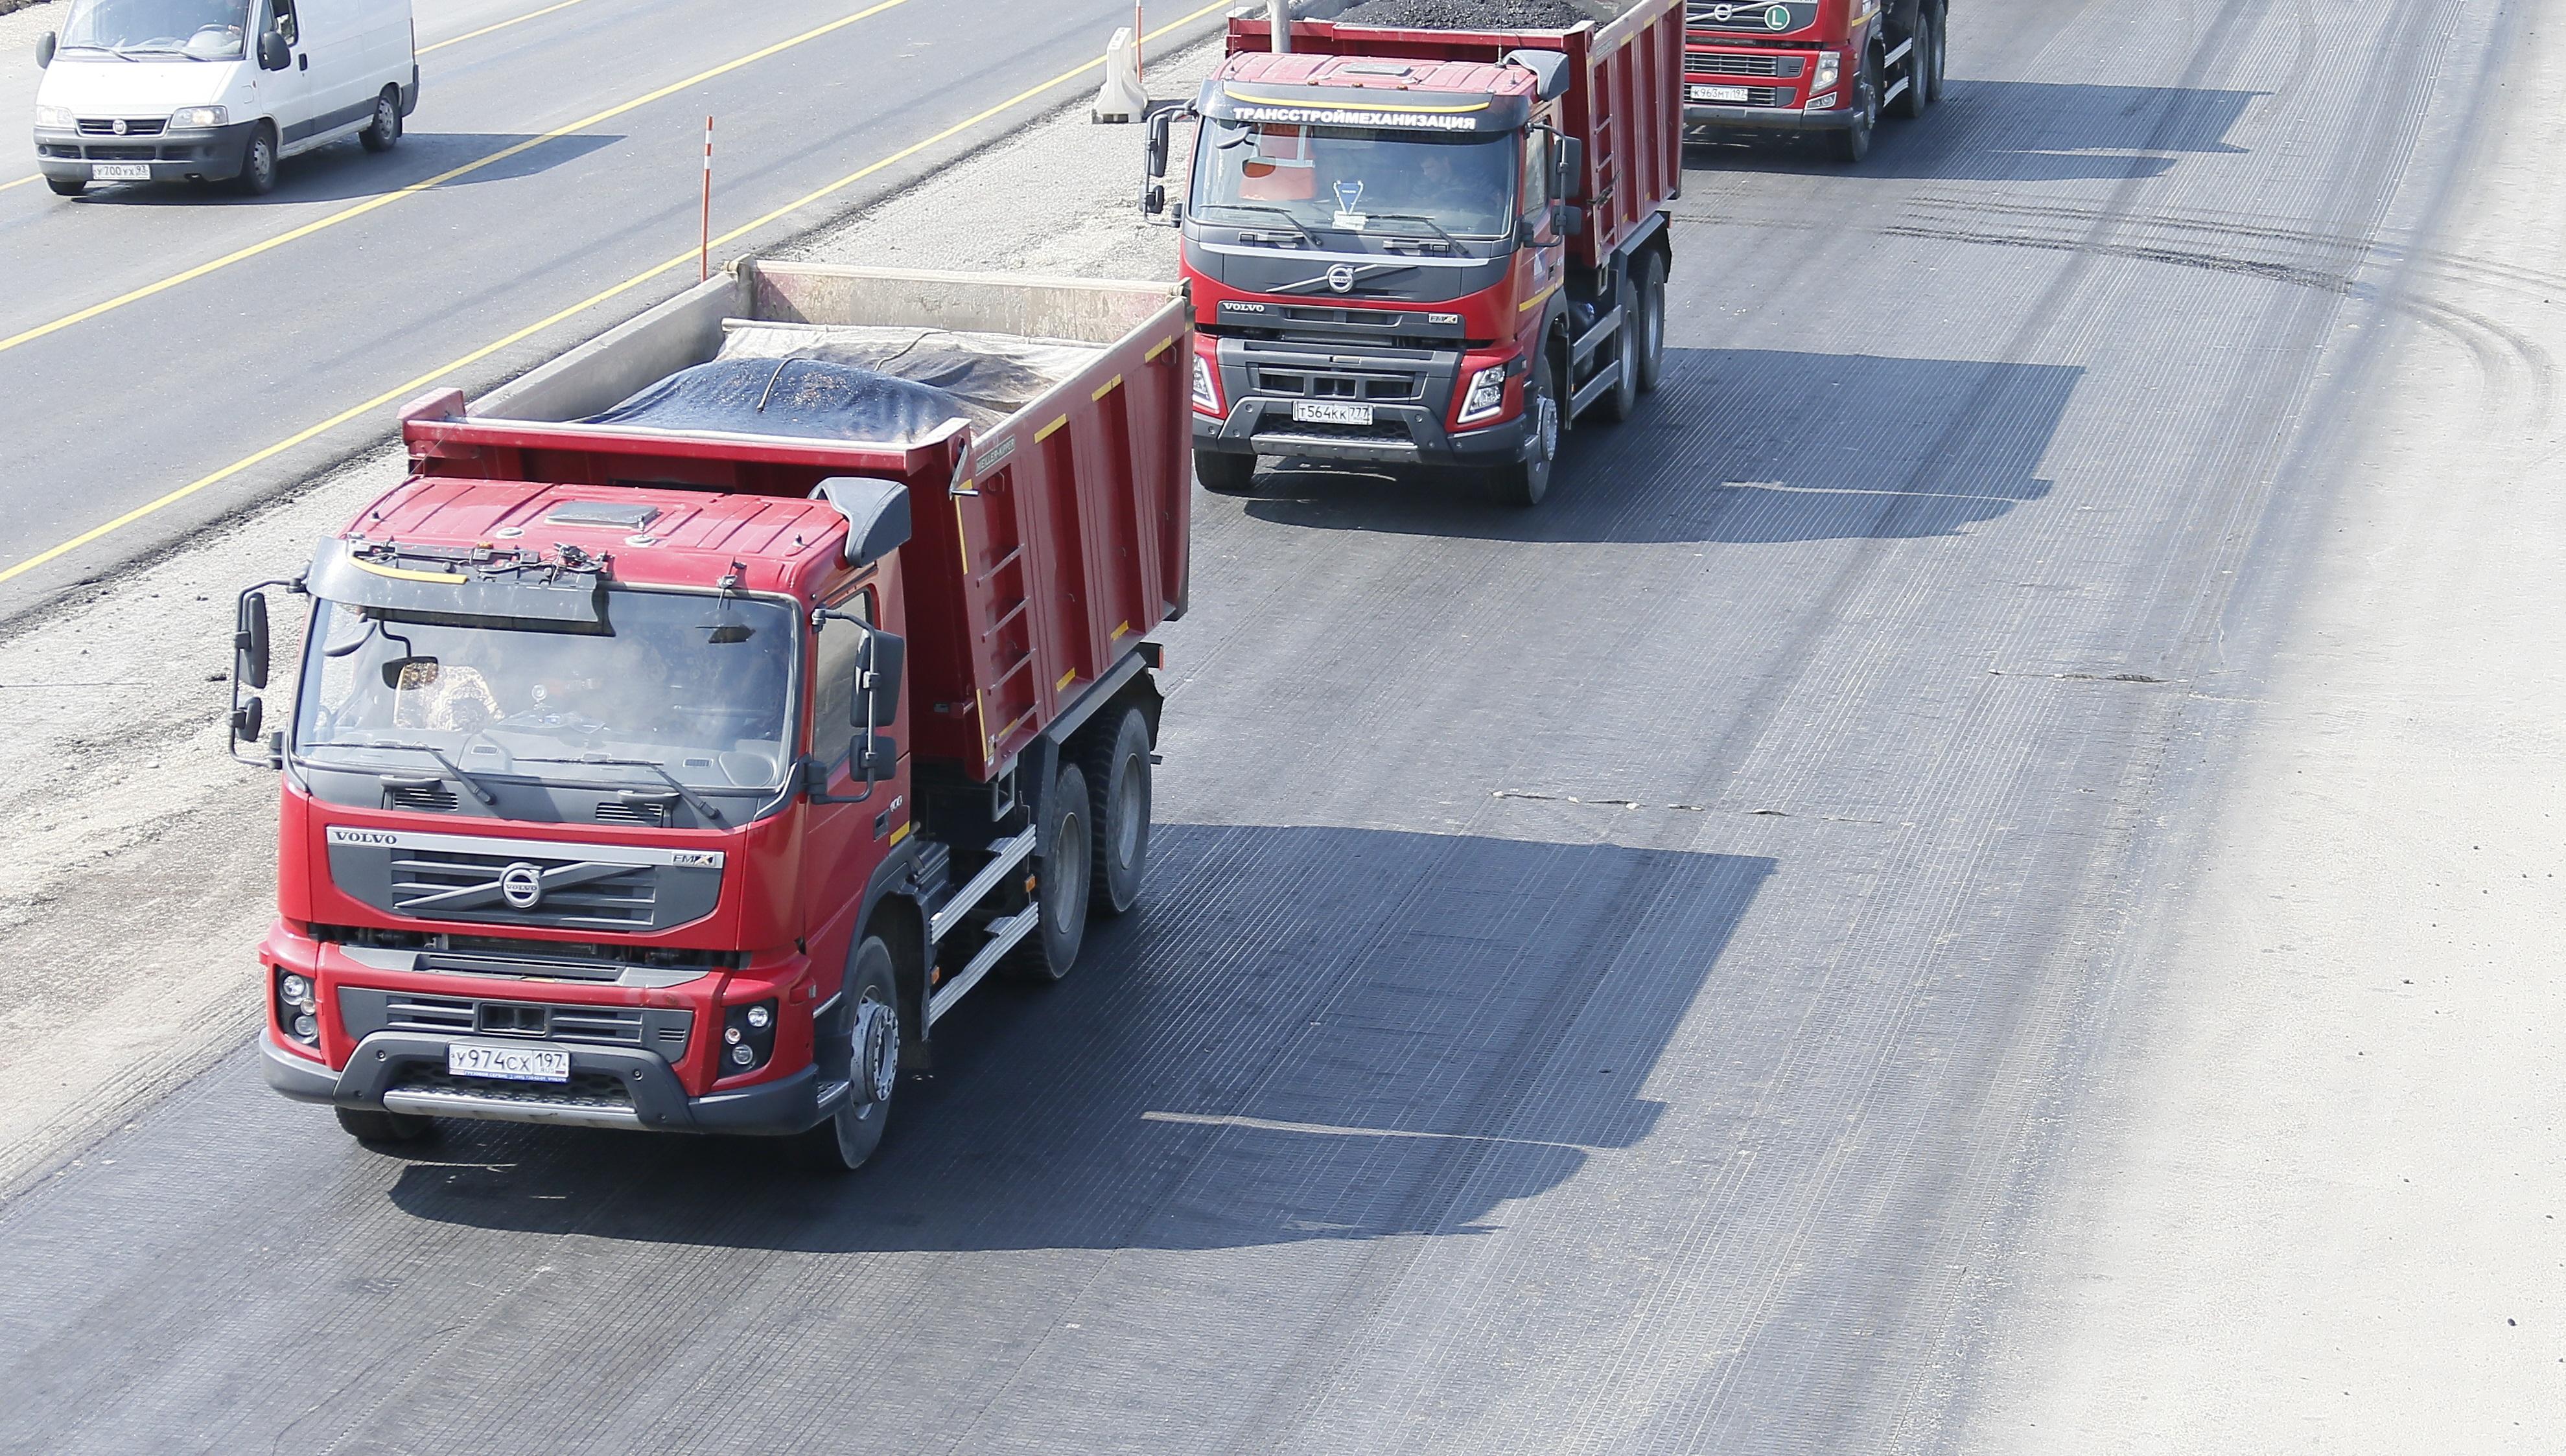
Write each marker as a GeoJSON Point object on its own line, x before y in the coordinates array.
{"type": "Point", "coordinates": [22, 181]}
{"type": "Point", "coordinates": [409, 388]}
{"type": "Point", "coordinates": [502, 25]}
{"type": "Point", "coordinates": [386, 199]}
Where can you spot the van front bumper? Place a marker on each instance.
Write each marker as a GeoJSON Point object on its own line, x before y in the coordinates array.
{"type": "Point", "coordinates": [195, 155]}
{"type": "Point", "coordinates": [610, 1086]}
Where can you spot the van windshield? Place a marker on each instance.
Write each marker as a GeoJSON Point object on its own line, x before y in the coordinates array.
{"type": "Point", "coordinates": [200, 30]}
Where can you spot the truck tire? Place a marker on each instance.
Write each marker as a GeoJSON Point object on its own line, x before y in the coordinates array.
{"type": "Point", "coordinates": [847, 1138]}
{"type": "Point", "coordinates": [1523, 483]}
{"type": "Point", "coordinates": [1911, 102]}
{"type": "Point", "coordinates": [258, 162]}
{"type": "Point", "coordinates": [1652, 319]}
{"type": "Point", "coordinates": [385, 1126]}
{"type": "Point", "coordinates": [1060, 885]}
{"type": "Point", "coordinates": [1623, 399]}
{"type": "Point", "coordinates": [1942, 51]}
{"type": "Point", "coordinates": [1853, 143]}
{"type": "Point", "coordinates": [1116, 768]}
{"type": "Point", "coordinates": [386, 127]}
{"type": "Point", "coordinates": [1225, 474]}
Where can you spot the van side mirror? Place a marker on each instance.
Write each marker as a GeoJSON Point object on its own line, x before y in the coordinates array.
{"type": "Point", "coordinates": [45, 50]}
{"type": "Point", "coordinates": [274, 52]}
{"type": "Point", "coordinates": [878, 672]}
{"type": "Point", "coordinates": [249, 642]}
{"type": "Point", "coordinates": [1570, 186]}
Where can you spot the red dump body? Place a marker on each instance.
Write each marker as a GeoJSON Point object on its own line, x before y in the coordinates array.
{"type": "Point", "coordinates": [1623, 101]}
{"type": "Point", "coordinates": [1043, 551]}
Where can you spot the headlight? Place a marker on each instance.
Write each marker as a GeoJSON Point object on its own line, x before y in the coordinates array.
{"type": "Point", "coordinates": [190, 116]}
{"type": "Point", "coordinates": [1487, 394]}
{"type": "Point", "coordinates": [1830, 69]}
{"type": "Point", "coordinates": [55, 119]}
{"type": "Point", "coordinates": [749, 1039]}
{"type": "Point", "coordinates": [1207, 387]}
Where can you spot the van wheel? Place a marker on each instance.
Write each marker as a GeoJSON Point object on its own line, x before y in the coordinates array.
{"type": "Point", "coordinates": [1118, 782]}
{"type": "Point", "coordinates": [1623, 399]}
{"type": "Point", "coordinates": [1225, 474]}
{"type": "Point", "coordinates": [385, 1126]}
{"type": "Point", "coordinates": [847, 1140]}
{"type": "Point", "coordinates": [386, 128]}
{"type": "Point", "coordinates": [68, 186]}
{"type": "Point", "coordinates": [258, 162]}
{"type": "Point", "coordinates": [1652, 319]}
{"type": "Point", "coordinates": [1061, 886]}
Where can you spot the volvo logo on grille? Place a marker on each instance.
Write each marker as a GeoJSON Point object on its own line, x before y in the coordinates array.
{"type": "Point", "coordinates": [522, 886]}
{"type": "Point", "coordinates": [1342, 278]}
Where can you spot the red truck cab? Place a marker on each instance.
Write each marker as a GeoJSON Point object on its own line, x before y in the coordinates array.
{"type": "Point", "coordinates": [1824, 66]}
{"type": "Point", "coordinates": [677, 771]}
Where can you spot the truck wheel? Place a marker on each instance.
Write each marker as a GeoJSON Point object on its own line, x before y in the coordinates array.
{"type": "Point", "coordinates": [1853, 143]}
{"type": "Point", "coordinates": [848, 1139]}
{"type": "Point", "coordinates": [1225, 474]}
{"type": "Point", "coordinates": [1061, 885]}
{"type": "Point", "coordinates": [1652, 319]}
{"type": "Point", "coordinates": [1623, 399]}
{"type": "Point", "coordinates": [1911, 102]}
{"type": "Point", "coordinates": [1941, 53]}
{"type": "Point", "coordinates": [385, 1126]}
{"type": "Point", "coordinates": [1117, 782]}
{"type": "Point", "coordinates": [386, 128]}
{"type": "Point", "coordinates": [1525, 482]}
{"type": "Point", "coordinates": [258, 162]}
{"type": "Point", "coordinates": [68, 186]}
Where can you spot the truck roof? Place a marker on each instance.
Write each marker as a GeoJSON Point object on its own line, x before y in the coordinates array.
{"type": "Point", "coordinates": [662, 537]}
{"type": "Point", "coordinates": [1377, 73]}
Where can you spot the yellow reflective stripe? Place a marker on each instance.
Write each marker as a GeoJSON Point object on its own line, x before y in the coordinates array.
{"type": "Point", "coordinates": [1108, 388]}
{"type": "Point", "coordinates": [403, 572]}
{"type": "Point", "coordinates": [1480, 104]}
{"type": "Point", "coordinates": [902, 833]}
{"type": "Point", "coordinates": [1065, 679]}
{"type": "Point", "coordinates": [1051, 429]}
{"type": "Point", "coordinates": [1537, 299]}
{"type": "Point", "coordinates": [1150, 357]}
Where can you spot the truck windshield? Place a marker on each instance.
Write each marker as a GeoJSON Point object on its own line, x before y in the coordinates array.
{"type": "Point", "coordinates": [1355, 178]}
{"type": "Point", "coordinates": [693, 684]}
{"type": "Point", "coordinates": [200, 30]}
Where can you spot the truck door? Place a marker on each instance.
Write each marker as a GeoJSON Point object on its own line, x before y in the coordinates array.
{"type": "Point", "coordinates": [843, 842]}
{"type": "Point", "coordinates": [1545, 251]}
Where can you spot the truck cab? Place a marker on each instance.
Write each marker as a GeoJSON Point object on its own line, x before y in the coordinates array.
{"type": "Point", "coordinates": [1830, 67]}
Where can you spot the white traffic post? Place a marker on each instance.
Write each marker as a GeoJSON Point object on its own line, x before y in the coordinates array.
{"type": "Point", "coordinates": [704, 256]}
{"type": "Point", "coordinates": [1121, 99]}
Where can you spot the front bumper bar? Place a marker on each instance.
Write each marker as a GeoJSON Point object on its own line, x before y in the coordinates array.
{"type": "Point", "coordinates": [405, 1072]}
{"type": "Point", "coordinates": [1768, 118]}
{"type": "Point", "coordinates": [201, 155]}
{"type": "Point", "coordinates": [1404, 435]}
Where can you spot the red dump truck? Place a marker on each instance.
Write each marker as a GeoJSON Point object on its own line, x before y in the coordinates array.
{"type": "Point", "coordinates": [1826, 65]}
{"type": "Point", "coordinates": [712, 709]}
{"type": "Point", "coordinates": [1427, 246]}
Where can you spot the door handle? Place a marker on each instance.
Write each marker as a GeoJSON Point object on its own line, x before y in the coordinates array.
{"type": "Point", "coordinates": [302, 63]}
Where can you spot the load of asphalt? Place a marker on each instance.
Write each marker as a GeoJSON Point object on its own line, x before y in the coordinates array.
{"type": "Point", "coordinates": [1467, 14]}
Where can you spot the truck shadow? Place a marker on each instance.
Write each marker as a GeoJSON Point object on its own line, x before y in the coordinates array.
{"type": "Point", "coordinates": [345, 172]}
{"type": "Point", "coordinates": [2017, 131]}
{"type": "Point", "coordinates": [1324, 1034]}
{"type": "Point", "coordinates": [1747, 447]}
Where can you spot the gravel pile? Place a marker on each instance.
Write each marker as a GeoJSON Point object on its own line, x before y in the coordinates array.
{"type": "Point", "coordinates": [1467, 14]}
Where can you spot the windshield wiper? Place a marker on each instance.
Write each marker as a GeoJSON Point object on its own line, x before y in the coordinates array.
{"type": "Point", "coordinates": [461, 775]}
{"type": "Point", "coordinates": [1449, 240]}
{"type": "Point", "coordinates": [698, 805]}
{"type": "Point", "coordinates": [1289, 220]}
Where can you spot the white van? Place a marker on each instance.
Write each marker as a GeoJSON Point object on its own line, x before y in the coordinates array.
{"type": "Point", "coordinates": [166, 91]}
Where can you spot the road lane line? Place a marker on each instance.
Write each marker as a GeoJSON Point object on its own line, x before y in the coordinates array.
{"type": "Point", "coordinates": [423, 49]}
{"type": "Point", "coordinates": [408, 388]}
{"type": "Point", "coordinates": [413, 190]}
{"type": "Point", "coordinates": [502, 25]}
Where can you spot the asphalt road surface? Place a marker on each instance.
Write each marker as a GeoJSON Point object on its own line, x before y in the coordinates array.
{"type": "Point", "coordinates": [186, 376]}
{"type": "Point", "coordinates": [1613, 978]}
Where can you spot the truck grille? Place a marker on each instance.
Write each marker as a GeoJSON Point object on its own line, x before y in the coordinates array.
{"type": "Point", "coordinates": [1352, 385]}
{"type": "Point", "coordinates": [435, 883]}
{"type": "Point", "coordinates": [1704, 63]}
{"type": "Point", "coordinates": [434, 798]}
{"type": "Point", "coordinates": [588, 1090]}
{"type": "Point", "coordinates": [664, 1029]}
{"type": "Point", "coordinates": [1382, 431]}
{"type": "Point", "coordinates": [616, 811]}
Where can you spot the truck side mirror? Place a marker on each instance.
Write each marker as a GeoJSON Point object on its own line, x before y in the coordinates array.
{"type": "Point", "coordinates": [45, 50]}
{"type": "Point", "coordinates": [1160, 124]}
{"type": "Point", "coordinates": [249, 642]}
{"type": "Point", "coordinates": [878, 672]}
{"type": "Point", "coordinates": [1572, 221]}
{"type": "Point", "coordinates": [247, 719]}
{"type": "Point", "coordinates": [1570, 186]}
{"type": "Point", "coordinates": [274, 52]}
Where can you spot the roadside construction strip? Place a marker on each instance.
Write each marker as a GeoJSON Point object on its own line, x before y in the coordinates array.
{"type": "Point", "coordinates": [409, 387]}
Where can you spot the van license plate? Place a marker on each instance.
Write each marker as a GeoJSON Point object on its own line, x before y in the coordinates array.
{"type": "Point", "coordinates": [1716, 92]}
{"type": "Point", "coordinates": [514, 1064]}
{"type": "Point", "coordinates": [119, 171]}
{"type": "Point", "coordinates": [1309, 411]}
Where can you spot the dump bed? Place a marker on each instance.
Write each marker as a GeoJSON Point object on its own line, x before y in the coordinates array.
{"type": "Point", "coordinates": [1049, 507]}
{"type": "Point", "coordinates": [1625, 99]}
